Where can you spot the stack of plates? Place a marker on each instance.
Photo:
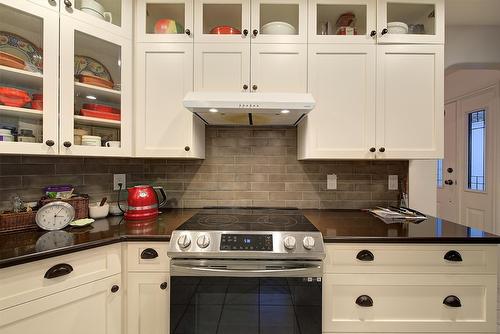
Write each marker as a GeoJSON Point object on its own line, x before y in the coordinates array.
{"type": "Point", "coordinates": [91, 140]}
{"type": "Point", "coordinates": [6, 135]}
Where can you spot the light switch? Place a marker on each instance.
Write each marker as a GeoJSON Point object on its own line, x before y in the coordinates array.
{"type": "Point", "coordinates": [393, 182]}
{"type": "Point", "coordinates": [331, 182]}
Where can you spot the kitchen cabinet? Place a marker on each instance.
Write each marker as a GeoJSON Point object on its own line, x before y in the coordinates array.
{"type": "Point", "coordinates": [406, 85]}
{"type": "Point", "coordinates": [154, 21]}
{"type": "Point", "coordinates": [50, 4]}
{"type": "Point", "coordinates": [90, 308]}
{"type": "Point", "coordinates": [163, 127]}
{"type": "Point", "coordinates": [371, 21]}
{"type": "Point", "coordinates": [36, 26]}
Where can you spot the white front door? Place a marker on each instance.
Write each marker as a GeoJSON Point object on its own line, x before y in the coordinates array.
{"type": "Point", "coordinates": [475, 126]}
{"type": "Point", "coordinates": [447, 192]}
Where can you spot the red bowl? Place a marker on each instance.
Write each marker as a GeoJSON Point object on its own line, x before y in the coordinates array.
{"type": "Point", "coordinates": [100, 114]}
{"type": "Point", "coordinates": [225, 30]}
{"type": "Point", "coordinates": [37, 97]}
{"type": "Point", "coordinates": [37, 104]}
{"type": "Point", "coordinates": [13, 97]}
{"type": "Point", "coordinates": [100, 107]}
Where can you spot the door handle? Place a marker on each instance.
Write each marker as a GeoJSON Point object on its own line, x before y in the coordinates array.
{"type": "Point", "coordinates": [149, 253]}
{"type": "Point", "coordinates": [58, 270]}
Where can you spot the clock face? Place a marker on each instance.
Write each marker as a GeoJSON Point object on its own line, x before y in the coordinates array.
{"type": "Point", "coordinates": [55, 215]}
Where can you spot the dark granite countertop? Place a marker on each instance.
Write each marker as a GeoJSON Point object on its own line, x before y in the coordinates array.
{"type": "Point", "coordinates": [337, 226]}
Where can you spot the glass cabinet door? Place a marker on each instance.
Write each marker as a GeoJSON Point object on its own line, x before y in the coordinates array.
{"type": "Point", "coordinates": [342, 21]}
{"type": "Point", "coordinates": [410, 21]}
{"type": "Point", "coordinates": [112, 15]}
{"type": "Point", "coordinates": [222, 21]}
{"type": "Point", "coordinates": [95, 91]}
{"type": "Point", "coordinates": [28, 78]}
{"type": "Point", "coordinates": [279, 21]}
{"type": "Point", "coordinates": [164, 21]}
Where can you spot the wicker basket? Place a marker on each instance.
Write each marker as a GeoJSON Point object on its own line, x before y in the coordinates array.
{"type": "Point", "coordinates": [80, 203]}
{"type": "Point", "coordinates": [17, 221]}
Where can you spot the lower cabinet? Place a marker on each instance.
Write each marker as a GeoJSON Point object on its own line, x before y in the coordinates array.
{"type": "Point", "coordinates": [148, 303]}
{"type": "Point", "coordinates": [89, 308]}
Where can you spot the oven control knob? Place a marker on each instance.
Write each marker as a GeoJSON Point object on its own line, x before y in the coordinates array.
{"type": "Point", "coordinates": [184, 241]}
{"type": "Point", "coordinates": [289, 242]}
{"type": "Point", "coordinates": [203, 241]}
{"type": "Point", "coordinates": [308, 242]}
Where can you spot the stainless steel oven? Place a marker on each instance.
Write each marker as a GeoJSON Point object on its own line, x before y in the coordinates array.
{"type": "Point", "coordinates": [245, 297]}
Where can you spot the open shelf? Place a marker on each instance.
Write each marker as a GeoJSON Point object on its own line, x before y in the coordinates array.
{"type": "Point", "coordinates": [97, 121]}
{"type": "Point", "coordinates": [20, 112]}
{"type": "Point", "coordinates": [101, 94]}
{"type": "Point", "coordinates": [21, 78]}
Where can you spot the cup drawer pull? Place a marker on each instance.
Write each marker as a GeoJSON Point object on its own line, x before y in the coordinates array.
{"type": "Point", "coordinates": [364, 301]}
{"type": "Point", "coordinates": [58, 270]}
{"type": "Point", "coordinates": [453, 256]}
{"type": "Point", "coordinates": [452, 301]}
{"type": "Point", "coordinates": [149, 253]}
{"type": "Point", "coordinates": [365, 255]}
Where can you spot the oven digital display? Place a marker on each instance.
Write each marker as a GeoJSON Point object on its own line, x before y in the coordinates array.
{"type": "Point", "coordinates": [246, 242]}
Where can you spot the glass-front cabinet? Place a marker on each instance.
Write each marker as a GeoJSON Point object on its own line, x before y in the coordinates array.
{"type": "Point", "coordinates": [410, 21]}
{"type": "Point", "coordinates": [279, 21]}
{"type": "Point", "coordinates": [164, 21]}
{"type": "Point", "coordinates": [95, 92]}
{"type": "Point", "coordinates": [28, 78]}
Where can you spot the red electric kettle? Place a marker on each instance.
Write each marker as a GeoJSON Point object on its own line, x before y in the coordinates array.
{"type": "Point", "coordinates": [143, 202]}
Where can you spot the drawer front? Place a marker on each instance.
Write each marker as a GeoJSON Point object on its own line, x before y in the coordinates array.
{"type": "Point", "coordinates": [373, 258]}
{"type": "Point", "coordinates": [148, 256]}
{"type": "Point", "coordinates": [408, 303]}
{"type": "Point", "coordinates": [25, 282]}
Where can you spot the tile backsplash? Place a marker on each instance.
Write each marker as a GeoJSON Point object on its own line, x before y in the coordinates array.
{"type": "Point", "coordinates": [243, 167]}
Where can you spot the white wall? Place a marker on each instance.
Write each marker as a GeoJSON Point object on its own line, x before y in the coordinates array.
{"type": "Point", "coordinates": [422, 186]}
{"type": "Point", "coordinates": [463, 82]}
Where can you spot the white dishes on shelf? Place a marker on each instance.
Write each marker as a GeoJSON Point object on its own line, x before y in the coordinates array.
{"type": "Point", "coordinates": [91, 140]}
{"type": "Point", "coordinates": [6, 135]}
{"type": "Point", "coordinates": [397, 28]}
{"type": "Point", "coordinates": [278, 28]}
{"type": "Point", "coordinates": [94, 8]}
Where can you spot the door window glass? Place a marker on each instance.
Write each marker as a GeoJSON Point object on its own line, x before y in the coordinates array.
{"type": "Point", "coordinates": [476, 150]}
{"type": "Point", "coordinates": [440, 173]}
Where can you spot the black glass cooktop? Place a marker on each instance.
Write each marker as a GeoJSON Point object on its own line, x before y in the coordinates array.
{"type": "Point", "coordinates": [248, 219]}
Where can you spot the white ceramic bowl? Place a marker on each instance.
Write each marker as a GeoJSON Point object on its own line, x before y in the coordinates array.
{"type": "Point", "coordinates": [400, 28]}
{"type": "Point", "coordinates": [96, 211]}
{"type": "Point", "coordinates": [278, 28]}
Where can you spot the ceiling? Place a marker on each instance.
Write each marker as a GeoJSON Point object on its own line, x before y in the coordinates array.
{"type": "Point", "coordinates": [473, 12]}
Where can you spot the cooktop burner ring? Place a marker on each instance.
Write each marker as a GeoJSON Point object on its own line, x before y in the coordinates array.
{"type": "Point", "coordinates": [220, 220]}
{"type": "Point", "coordinates": [277, 220]}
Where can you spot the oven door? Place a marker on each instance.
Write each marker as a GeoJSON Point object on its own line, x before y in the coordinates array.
{"type": "Point", "coordinates": [245, 297]}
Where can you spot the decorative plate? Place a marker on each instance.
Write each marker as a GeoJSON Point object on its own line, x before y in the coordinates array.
{"type": "Point", "coordinates": [22, 48]}
{"type": "Point", "coordinates": [89, 66]}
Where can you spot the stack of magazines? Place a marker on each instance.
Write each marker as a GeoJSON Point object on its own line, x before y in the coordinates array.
{"type": "Point", "coordinates": [394, 214]}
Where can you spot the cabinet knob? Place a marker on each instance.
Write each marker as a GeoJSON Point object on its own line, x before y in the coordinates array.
{"type": "Point", "coordinates": [254, 87]}
{"type": "Point", "coordinates": [373, 149]}
{"type": "Point", "coordinates": [58, 270]}
{"type": "Point", "coordinates": [452, 301]}
{"type": "Point", "coordinates": [163, 285]}
{"type": "Point", "coordinates": [188, 32]}
{"type": "Point", "coordinates": [115, 288]}
{"type": "Point", "coordinates": [187, 148]}
{"type": "Point", "coordinates": [255, 32]}
{"type": "Point", "coordinates": [448, 182]}
{"type": "Point", "coordinates": [450, 170]}
{"type": "Point", "coordinates": [68, 3]}
{"type": "Point", "coordinates": [67, 144]}
{"type": "Point", "coordinates": [245, 87]}
{"type": "Point", "coordinates": [381, 150]}
{"type": "Point", "coordinates": [49, 143]}
{"type": "Point", "coordinates": [149, 253]}
{"type": "Point", "coordinates": [52, 2]}
{"type": "Point", "coordinates": [245, 32]}
{"type": "Point", "coordinates": [384, 31]}
{"type": "Point", "coordinates": [365, 256]}
{"type": "Point", "coordinates": [364, 301]}
{"type": "Point", "coordinates": [373, 33]}
{"type": "Point", "coordinates": [453, 256]}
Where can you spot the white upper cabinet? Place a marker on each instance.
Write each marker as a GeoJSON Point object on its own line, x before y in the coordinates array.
{"type": "Point", "coordinates": [279, 68]}
{"type": "Point", "coordinates": [342, 125]}
{"type": "Point", "coordinates": [342, 21]}
{"type": "Point", "coordinates": [279, 21]}
{"type": "Point", "coordinates": [95, 68]}
{"type": "Point", "coordinates": [29, 69]}
{"type": "Point", "coordinates": [51, 4]}
{"type": "Point", "coordinates": [163, 127]}
{"type": "Point", "coordinates": [221, 67]}
{"type": "Point", "coordinates": [164, 21]}
{"type": "Point", "coordinates": [112, 15]}
{"type": "Point", "coordinates": [222, 21]}
{"type": "Point", "coordinates": [410, 102]}
{"type": "Point", "coordinates": [410, 21]}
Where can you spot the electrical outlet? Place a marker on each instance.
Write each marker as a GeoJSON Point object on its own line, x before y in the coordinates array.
{"type": "Point", "coordinates": [119, 178]}
{"type": "Point", "coordinates": [331, 182]}
{"type": "Point", "coordinates": [393, 182]}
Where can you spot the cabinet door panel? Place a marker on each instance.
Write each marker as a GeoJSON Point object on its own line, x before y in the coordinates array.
{"type": "Point", "coordinates": [341, 126]}
{"type": "Point", "coordinates": [164, 128]}
{"type": "Point", "coordinates": [89, 308]}
{"type": "Point", "coordinates": [279, 68]}
{"type": "Point", "coordinates": [410, 102]}
{"type": "Point", "coordinates": [221, 67]}
{"type": "Point", "coordinates": [148, 303]}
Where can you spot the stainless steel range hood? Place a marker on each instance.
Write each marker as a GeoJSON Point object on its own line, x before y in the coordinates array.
{"type": "Point", "coordinates": [231, 108]}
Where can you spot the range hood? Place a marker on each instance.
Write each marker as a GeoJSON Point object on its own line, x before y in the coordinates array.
{"type": "Point", "coordinates": [232, 108]}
